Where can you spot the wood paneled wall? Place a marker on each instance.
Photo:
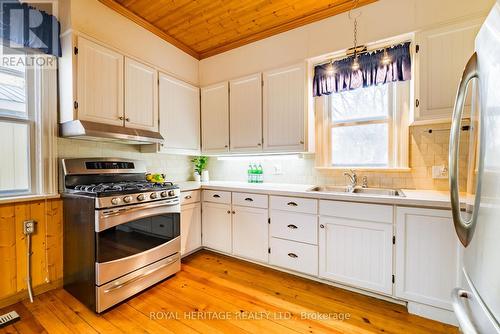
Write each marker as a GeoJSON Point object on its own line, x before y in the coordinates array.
{"type": "Point", "coordinates": [46, 248]}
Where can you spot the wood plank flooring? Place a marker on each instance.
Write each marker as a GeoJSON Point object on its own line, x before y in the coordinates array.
{"type": "Point", "coordinates": [218, 294]}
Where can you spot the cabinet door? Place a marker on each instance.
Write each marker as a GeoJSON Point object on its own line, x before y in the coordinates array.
{"type": "Point", "coordinates": [216, 226]}
{"type": "Point", "coordinates": [245, 109]}
{"type": "Point", "coordinates": [179, 115]}
{"type": "Point", "coordinates": [356, 252]}
{"type": "Point", "coordinates": [100, 83]}
{"type": "Point", "coordinates": [190, 227]}
{"type": "Point", "coordinates": [250, 233]}
{"type": "Point", "coordinates": [215, 118]}
{"type": "Point", "coordinates": [141, 96]}
{"type": "Point", "coordinates": [428, 256]}
{"type": "Point", "coordinates": [284, 109]}
{"type": "Point", "coordinates": [441, 58]}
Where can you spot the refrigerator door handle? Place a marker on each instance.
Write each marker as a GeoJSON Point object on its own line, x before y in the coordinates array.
{"type": "Point", "coordinates": [463, 228]}
{"type": "Point", "coordinates": [457, 297]}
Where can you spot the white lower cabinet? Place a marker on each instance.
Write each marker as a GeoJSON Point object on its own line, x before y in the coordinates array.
{"type": "Point", "coordinates": [216, 226]}
{"type": "Point", "coordinates": [428, 256]}
{"type": "Point", "coordinates": [293, 255]}
{"type": "Point", "coordinates": [355, 247]}
{"type": "Point", "coordinates": [250, 233]}
{"type": "Point", "coordinates": [190, 227]}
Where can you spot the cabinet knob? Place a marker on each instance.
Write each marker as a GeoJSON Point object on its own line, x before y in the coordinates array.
{"type": "Point", "coordinates": [322, 226]}
{"type": "Point", "coordinates": [120, 118]}
{"type": "Point", "coordinates": [187, 197]}
{"type": "Point", "coordinates": [225, 146]}
{"type": "Point", "coordinates": [228, 211]}
{"type": "Point", "coordinates": [234, 212]}
{"type": "Point", "coordinates": [293, 255]}
{"type": "Point", "coordinates": [302, 142]}
{"type": "Point", "coordinates": [259, 144]}
{"type": "Point", "coordinates": [127, 119]}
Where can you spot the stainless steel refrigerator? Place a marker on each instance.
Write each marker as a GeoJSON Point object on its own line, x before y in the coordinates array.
{"type": "Point", "coordinates": [476, 216]}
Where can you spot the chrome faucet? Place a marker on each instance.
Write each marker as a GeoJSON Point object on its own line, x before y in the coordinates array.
{"type": "Point", "coordinates": [353, 179]}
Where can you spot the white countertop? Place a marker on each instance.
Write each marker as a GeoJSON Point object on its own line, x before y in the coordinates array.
{"type": "Point", "coordinates": [421, 198]}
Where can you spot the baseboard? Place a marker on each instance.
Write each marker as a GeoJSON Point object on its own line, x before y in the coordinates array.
{"type": "Point", "coordinates": [434, 313]}
{"type": "Point", "coordinates": [22, 295]}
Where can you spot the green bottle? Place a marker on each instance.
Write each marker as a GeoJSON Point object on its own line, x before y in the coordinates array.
{"type": "Point", "coordinates": [249, 172]}
{"type": "Point", "coordinates": [260, 174]}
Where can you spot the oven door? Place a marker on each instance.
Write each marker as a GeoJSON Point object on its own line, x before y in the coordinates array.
{"type": "Point", "coordinates": [132, 237]}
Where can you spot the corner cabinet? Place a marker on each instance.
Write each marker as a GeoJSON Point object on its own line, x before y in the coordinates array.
{"type": "Point", "coordinates": [141, 96]}
{"type": "Point", "coordinates": [215, 118]}
{"type": "Point", "coordinates": [179, 106]}
{"type": "Point", "coordinates": [245, 114]}
{"type": "Point", "coordinates": [99, 84]}
{"type": "Point", "coordinates": [284, 109]}
{"type": "Point", "coordinates": [428, 256]}
{"type": "Point", "coordinates": [441, 58]}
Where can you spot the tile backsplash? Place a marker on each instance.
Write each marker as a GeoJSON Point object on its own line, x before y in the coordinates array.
{"type": "Point", "coordinates": [426, 150]}
{"type": "Point", "coordinates": [176, 167]}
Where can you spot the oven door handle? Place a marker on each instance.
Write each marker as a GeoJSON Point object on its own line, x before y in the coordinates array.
{"type": "Point", "coordinates": [121, 216]}
{"type": "Point", "coordinates": [141, 276]}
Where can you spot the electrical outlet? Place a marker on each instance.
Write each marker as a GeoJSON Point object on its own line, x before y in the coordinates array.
{"type": "Point", "coordinates": [440, 172]}
{"type": "Point", "coordinates": [29, 227]}
{"type": "Point", "coordinates": [277, 170]}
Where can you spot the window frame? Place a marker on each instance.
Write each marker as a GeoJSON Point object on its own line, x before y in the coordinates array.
{"type": "Point", "coordinates": [41, 119]}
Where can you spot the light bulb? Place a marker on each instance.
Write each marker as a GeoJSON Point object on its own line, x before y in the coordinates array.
{"type": "Point", "coordinates": [386, 59]}
{"type": "Point", "coordinates": [329, 69]}
{"type": "Point", "coordinates": [355, 64]}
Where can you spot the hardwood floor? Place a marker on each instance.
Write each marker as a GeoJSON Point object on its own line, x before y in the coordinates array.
{"type": "Point", "coordinates": [218, 294]}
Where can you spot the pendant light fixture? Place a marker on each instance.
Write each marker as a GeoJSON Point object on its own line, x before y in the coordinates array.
{"type": "Point", "coordinates": [355, 63]}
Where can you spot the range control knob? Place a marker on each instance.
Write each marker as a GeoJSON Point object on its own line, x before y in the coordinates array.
{"type": "Point", "coordinates": [115, 201]}
{"type": "Point", "coordinates": [141, 197]}
{"type": "Point", "coordinates": [127, 199]}
{"type": "Point", "coordinates": [153, 196]}
{"type": "Point", "coordinates": [171, 193]}
{"type": "Point", "coordinates": [163, 194]}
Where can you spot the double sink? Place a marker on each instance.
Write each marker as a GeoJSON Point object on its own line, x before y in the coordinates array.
{"type": "Point", "coordinates": [358, 190]}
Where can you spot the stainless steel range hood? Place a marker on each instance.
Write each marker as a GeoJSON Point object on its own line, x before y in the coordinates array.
{"type": "Point", "coordinates": [104, 132]}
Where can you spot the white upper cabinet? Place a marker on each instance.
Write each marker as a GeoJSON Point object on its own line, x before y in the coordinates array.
{"type": "Point", "coordinates": [428, 256]}
{"type": "Point", "coordinates": [215, 118]}
{"type": "Point", "coordinates": [100, 84]}
{"type": "Point", "coordinates": [245, 109]}
{"type": "Point", "coordinates": [284, 106]}
{"type": "Point", "coordinates": [442, 55]}
{"type": "Point", "coordinates": [141, 96]}
{"type": "Point", "coordinates": [179, 105]}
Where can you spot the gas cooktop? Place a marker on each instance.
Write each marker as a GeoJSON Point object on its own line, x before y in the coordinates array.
{"type": "Point", "coordinates": [118, 188]}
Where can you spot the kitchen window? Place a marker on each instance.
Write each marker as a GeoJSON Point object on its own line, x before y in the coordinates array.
{"type": "Point", "coordinates": [365, 127]}
{"type": "Point", "coordinates": [27, 127]}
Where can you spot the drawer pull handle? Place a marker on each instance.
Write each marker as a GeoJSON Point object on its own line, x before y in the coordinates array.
{"type": "Point", "coordinates": [292, 204]}
{"type": "Point", "coordinates": [187, 197]}
{"type": "Point", "coordinates": [249, 199]}
{"type": "Point", "coordinates": [293, 255]}
{"type": "Point", "coordinates": [216, 196]}
{"type": "Point", "coordinates": [228, 211]}
{"type": "Point", "coordinates": [293, 227]}
{"type": "Point", "coordinates": [234, 212]}
{"type": "Point", "coordinates": [322, 226]}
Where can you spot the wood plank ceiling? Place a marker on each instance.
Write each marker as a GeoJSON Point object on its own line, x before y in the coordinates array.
{"type": "Point", "coordinates": [204, 28]}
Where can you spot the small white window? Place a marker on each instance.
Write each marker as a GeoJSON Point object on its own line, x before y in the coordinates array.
{"type": "Point", "coordinates": [366, 127]}
{"type": "Point", "coordinates": [26, 121]}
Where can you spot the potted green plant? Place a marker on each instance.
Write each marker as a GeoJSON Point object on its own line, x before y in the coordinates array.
{"type": "Point", "coordinates": [200, 163]}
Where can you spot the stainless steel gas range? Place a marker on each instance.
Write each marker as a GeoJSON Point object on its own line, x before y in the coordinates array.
{"type": "Point", "coordinates": [121, 233]}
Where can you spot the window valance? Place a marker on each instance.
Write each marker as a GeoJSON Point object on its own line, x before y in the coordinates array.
{"type": "Point", "coordinates": [377, 67]}
{"type": "Point", "coordinates": [23, 26]}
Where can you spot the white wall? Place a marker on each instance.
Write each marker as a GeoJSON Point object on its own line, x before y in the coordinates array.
{"type": "Point", "coordinates": [380, 20]}
{"type": "Point", "coordinates": [100, 22]}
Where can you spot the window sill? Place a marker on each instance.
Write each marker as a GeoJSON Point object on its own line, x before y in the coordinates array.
{"type": "Point", "coordinates": [370, 169]}
{"type": "Point", "coordinates": [27, 198]}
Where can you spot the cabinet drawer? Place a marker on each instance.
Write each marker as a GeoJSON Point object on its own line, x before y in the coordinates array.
{"type": "Point", "coordinates": [360, 211]}
{"type": "Point", "coordinates": [251, 200]}
{"type": "Point", "coordinates": [217, 196]}
{"type": "Point", "coordinates": [294, 226]}
{"type": "Point", "coordinates": [294, 255]}
{"type": "Point", "coordinates": [294, 204]}
{"type": "Point", "coordinates": [188, 197]}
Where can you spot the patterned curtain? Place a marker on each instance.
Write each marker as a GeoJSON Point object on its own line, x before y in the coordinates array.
{"type": "Point", "coordinates": [23, 26]}
{"type": "Point", "coordinates": [377, 67]}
